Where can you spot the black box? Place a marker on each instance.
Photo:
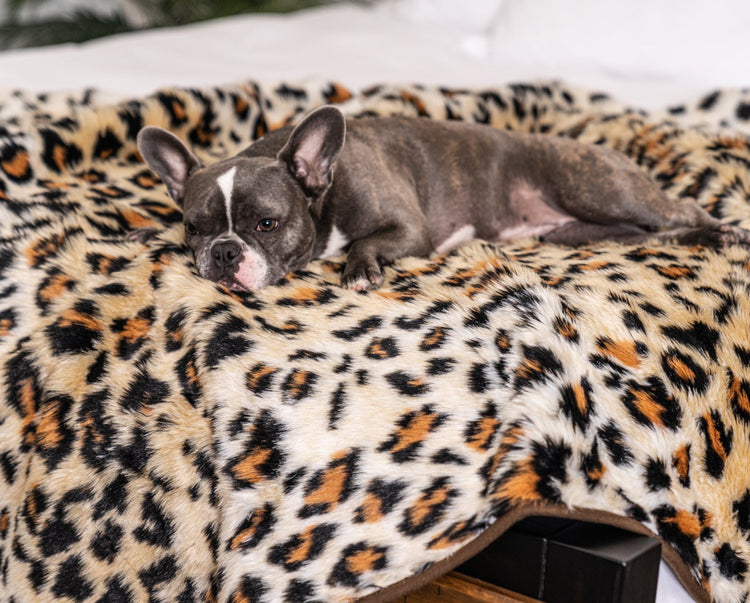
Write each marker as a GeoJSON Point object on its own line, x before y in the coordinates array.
{"type": "Point", "coordinates": [560, 560]}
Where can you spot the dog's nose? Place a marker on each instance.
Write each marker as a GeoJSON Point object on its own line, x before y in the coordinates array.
{"type": "Point", "coordinates": [225, 253]}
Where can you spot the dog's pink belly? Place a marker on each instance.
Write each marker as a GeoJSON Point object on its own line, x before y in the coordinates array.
{"type": "Point", "coordinates": [530, 213]}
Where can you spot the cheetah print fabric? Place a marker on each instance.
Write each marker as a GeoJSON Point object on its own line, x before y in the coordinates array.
{"type": "Point", "coordinates": [165, 439]}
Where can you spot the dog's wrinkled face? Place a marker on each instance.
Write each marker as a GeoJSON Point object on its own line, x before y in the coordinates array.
{"type": "Point", "coordinates": [247, 218]}
{"type": "Point", "coordinates": [247, 221]}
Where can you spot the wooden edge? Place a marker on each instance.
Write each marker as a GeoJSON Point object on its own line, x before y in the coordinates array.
{"type": "Point", "coordinates": [459, 588]}
{"type": "Point", "coordinates": [507, 520]}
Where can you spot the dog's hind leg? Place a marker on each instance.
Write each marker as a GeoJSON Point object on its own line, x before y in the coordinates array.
{"type": "Point", "coordinates": [712, 234]}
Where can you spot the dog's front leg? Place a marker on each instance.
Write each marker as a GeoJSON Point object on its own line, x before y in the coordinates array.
{"type": "Point", "coordinates": [368, 255]}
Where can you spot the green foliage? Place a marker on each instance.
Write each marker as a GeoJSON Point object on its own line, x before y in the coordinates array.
{"type": "Point", "coordinates": [85, 24]}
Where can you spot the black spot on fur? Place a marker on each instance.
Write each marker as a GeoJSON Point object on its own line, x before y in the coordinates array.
{"type": "Point", "coordinates": [117, 591]}
{"type": "Point", "coordinates": [708, 101]}
{"type": "Point", "coordinates": [743, 111]}
{"type": "Point", "coordinates": [107, 542]}
{"type": "Point", "coordinates": [158, 572]}
{"type": "Point", "coordinates": [614, 441]}
{"type": "Point", "coordinates": [731, 565]}
{"type": "Point", "coordinates": [656, 475]}
{"type": "Point", "coordinates": [157, 528]}
{"type": "Point", "coordinates": [71, 581]}
{"type": "Point", "coordinates": [310, 544]}
{"type": "Point", "coordinates": [227, 341]}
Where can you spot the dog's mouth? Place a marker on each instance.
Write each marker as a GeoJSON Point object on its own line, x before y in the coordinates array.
{"type": "Point", "coordinates": [233, 284]}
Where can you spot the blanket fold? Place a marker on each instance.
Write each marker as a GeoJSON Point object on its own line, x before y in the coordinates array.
{"type": "Point", "coordinates": [163, 438]}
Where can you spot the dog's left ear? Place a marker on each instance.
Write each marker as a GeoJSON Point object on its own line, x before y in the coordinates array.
{"type": "Point", "coordinates": [313, 148]}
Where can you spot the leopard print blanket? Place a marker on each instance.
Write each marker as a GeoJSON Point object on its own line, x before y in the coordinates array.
{"type": "Point", "coordinates": [165, 439]}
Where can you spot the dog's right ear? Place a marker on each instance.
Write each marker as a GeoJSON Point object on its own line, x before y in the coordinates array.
{"type": "Point", "coordinates": [168, 156]}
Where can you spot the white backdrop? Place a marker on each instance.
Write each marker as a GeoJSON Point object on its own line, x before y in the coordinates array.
{"type": "Point", "coordinates": [649, 52]}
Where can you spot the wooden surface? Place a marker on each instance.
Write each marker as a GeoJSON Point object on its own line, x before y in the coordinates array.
{"type": "Point", "coordinates": [457, 588]}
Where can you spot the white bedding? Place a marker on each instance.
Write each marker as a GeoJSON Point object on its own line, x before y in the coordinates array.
{"type": "Point", "coordinates": [650, 53]}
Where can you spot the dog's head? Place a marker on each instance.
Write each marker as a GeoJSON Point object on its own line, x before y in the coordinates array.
{"type": "Point", "coordinates": [247, 218]}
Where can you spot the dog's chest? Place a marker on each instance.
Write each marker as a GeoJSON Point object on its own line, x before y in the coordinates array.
{"type": "Point", "coordinates": [336, 243]}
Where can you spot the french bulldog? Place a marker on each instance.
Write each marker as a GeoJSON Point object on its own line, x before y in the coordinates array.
{"type": "Point", "coordinates": [406, 187]}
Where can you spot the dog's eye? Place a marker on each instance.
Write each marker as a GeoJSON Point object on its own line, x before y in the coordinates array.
{"type": "Point", "coordinates": [267, 225]}
{"type": "Point", "coordinates": [190, 228]}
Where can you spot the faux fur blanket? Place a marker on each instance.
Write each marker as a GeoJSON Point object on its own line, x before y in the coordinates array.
{"type": "Point", "coordinates": [165, 439]}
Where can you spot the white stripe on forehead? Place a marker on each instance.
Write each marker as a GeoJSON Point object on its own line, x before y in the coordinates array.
{"type": "Point", "coordinates": [226, 184]}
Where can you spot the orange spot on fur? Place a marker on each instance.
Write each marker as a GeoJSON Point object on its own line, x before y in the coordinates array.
{"type": "Point", "coordinates": [521, 486]}
{"type": "Point", "coordinates": [676, 272]}
{"type": "Point", "coordinates": [687, 523]}
{"type": "Point", "coordinates": [414, 100]}
{"type": "Point", "coordinates": [566, 329]}
{"type": "Point", "coordinates": [17, 166]}
{"type": "Point", "coordinates": [363, 561]}
{"type": "Point", "coordinates": [71, 318]}
{"type": "Point", "coordinates": [715, 438]}
{"type": "Point", "coordinates": [417, 429]}
{"type": "Point", "coordinates": [648, 407]}
{"type": "Point", "coordinates": [580, 398]}
{"type": "Point", "coordinates": [682, 463]}
{"type": "Point", "coordinates": [6, 324]}
{"type": "Point", "coordinates": [622, 350]}
{"type": "Point", "coordinates": [592, 266]}
{"type": "Point", "coordinates": [306, 294]}
{"type": "Point", "coordinates": [146, 181]}
{"type": "Point", "coordinates": [178, 110]}
{"type": "Point", "coordinates": [486, 429]}
{"type": "Point", "coordinates": [259, 515]}
{"type": "Point", "coordinates": [48, 429]}
{"type": "Point", "coordinates": [255, 377]}
{"type": "Point", "coordinates": [302, 552]}
{"type": "Point", "coordinates": [502, 341]}
{"type": "Point", "coordinates": [425, 504]}
{"type": "Point", "coordinates": [528, 368]}
{"type": "Point", "coordinates": [42, 248]}
{"type": "Point", "coordinates": [372, 508]}
{"type": "Point", "coordinates": [59, 156]}
{"type": "Point", "coordinates": [683, 371]}
{"type": "Point", "coordinates": [298, 382]}
{"type": "Point", "coordinates": [739, 395]}
{"type": "Point", "coordinates": [136, 220]}
{"type": "Point", "coordinates": [247, 469]}
{"type": "Point", "coordinates": [55, 287]}
{"type": "Point", "coordinates": [28, 406]}
{"type": "Point", "coordinates": [240, 105]}
{"type": "Point", "coordinates": [339, 94]}
{"type": "Point", "coordinates": [596, 473]}
{"type": "Point", "coordinates": [450, 538]}
{"type": "Point", "coordinates": [330, 490]}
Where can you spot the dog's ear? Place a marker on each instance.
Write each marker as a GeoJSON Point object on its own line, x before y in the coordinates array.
{"type": "Point", "coordinates": [168, 157]}
{"type": "Point", "coordinates": [313, 148]}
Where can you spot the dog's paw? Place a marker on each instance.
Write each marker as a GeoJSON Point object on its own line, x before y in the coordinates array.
{"type": "Point", "coordinates": [733, 235]}
{"type": "Point", "coordinates": [362, 275]}
{"type": "Point", "coordinates": [724, 235]}
{"type": "Point", "coordinates": [143, 235]}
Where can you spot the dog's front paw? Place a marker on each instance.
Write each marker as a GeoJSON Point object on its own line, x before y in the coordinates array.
{"type": "Point", "coordinates": [362, 275]}
{"type": "Point", "coordinates": [143, 235]}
